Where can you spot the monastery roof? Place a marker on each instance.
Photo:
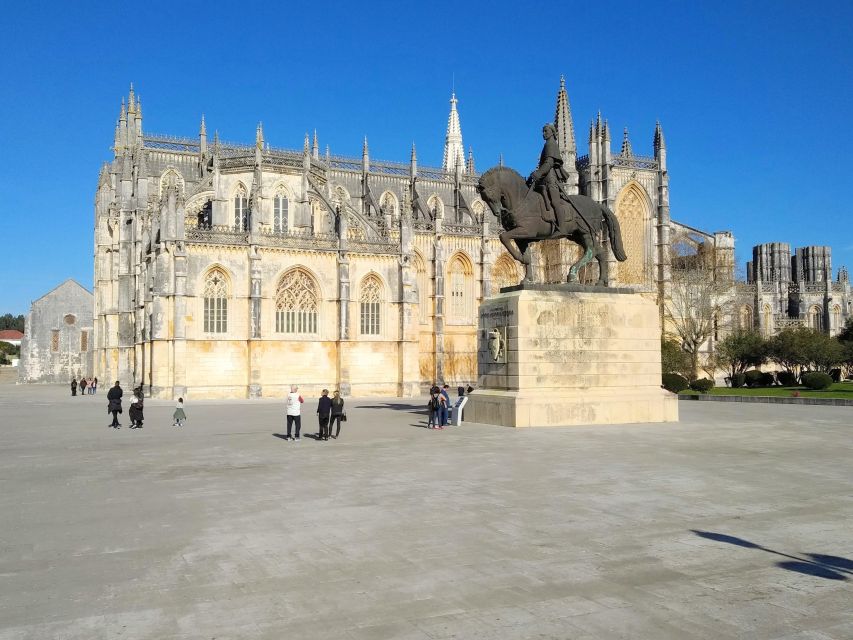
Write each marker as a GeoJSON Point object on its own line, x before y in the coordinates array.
{"type": "Point", "coordinates": [59, 286]}
{"type": "Point", "coordinates": [11, 334]}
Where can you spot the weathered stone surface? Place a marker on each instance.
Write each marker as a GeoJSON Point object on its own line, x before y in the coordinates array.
{"type": "Point", "coordinates": [573, 356]}
{"type": "Point", "coordinates": [58, 341]}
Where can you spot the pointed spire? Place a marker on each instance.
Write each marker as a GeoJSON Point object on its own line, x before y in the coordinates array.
{"type": "Point", "coordinates": [131, 107]}
{"type": "Point", "coordinates": [591, 130]}
{"type": "Point", "coordinates": [202, 131]}
{"type": "Point", "coordinates": [216, 140]}
{"type": "Point", "coordinates": [123, 113]}
{"type": "Point", "coordinates": [626, 144]}
{"type": "Point", "coordinates": [564, 124]}
{"type": "Point", "coordinates": [413, 161]}
{"type": "Point", "coordinates": [453, 147]}
{"type": "Point", "coordinates": [328, 157]}
{"type": "Point", "coordinates": [306, 144]}
{"type": "Point", "coordinates": [501, 160]}
{"type": "Point", "coordinates": [104, 177]}
{"type": "Point", "coordinates": [139, 107]}
{"type": "Point", "coordinates": [315, 148]}
{"type": "Point", "coordinates": [659, 143]}
{"type": "Point", "coordinates": [471, 169]}
{"type": "Point", "coordinates": [598, 122]}
{"type": "Point", "coordinates": [365, 156]}
{"type": "Point", "coordinates": [259, 136]}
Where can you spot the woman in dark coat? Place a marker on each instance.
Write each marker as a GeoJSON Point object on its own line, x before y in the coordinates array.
{"type": "Point", "coordinates": [135, 412]}
{"type": "Point", "coordinates": [114, 403]}
{"type": "Point", "coordinates": [338, 414]}
{"type": "Point", "coordinates": [73, 386]}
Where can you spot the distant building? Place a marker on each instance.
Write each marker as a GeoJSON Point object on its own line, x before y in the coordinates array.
{"type": "Point", "coordinates": [12, 336]}
{"type": "Point", "coordinates": [57, 341]}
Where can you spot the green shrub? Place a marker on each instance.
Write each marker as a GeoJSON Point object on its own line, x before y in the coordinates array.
{"type": "Point", "coordinates": [674, 382]}
{"type": "Point", "coordinates": [816, 380]}
{"type": "Point", "coordinates": [703, 385]}
{"type": "Point", "coordinates": [787, 379]}
{"type": "Point", "coordinates": [767, 379]}
{"type": "Point", "coordinates": [738, 380]}
{"type": "Point", "coordinates": [753, 378]}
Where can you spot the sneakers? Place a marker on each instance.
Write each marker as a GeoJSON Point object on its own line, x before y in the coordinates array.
{"type": "Point", "coordinates": [297, 438]}
{"type": "Point", "coordinates": [288, 438]}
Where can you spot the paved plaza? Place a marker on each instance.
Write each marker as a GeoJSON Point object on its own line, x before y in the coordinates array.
{"type": "Point", "coordinates": [734, 523]}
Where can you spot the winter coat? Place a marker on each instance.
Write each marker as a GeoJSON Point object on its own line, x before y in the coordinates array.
{"type": "Point", "coordinates": [114, 399]}
{"type": "Point", "coordinates": [324, 406]}
{"type": "Point", "coordinates": [337, 406]}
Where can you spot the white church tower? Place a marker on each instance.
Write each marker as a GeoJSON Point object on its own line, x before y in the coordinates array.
{"type": "Point", "coordinates": [454, 150]}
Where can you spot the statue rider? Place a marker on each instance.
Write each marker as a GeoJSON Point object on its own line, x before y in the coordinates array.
{"type": "Point", "coordinates": [547, 180]}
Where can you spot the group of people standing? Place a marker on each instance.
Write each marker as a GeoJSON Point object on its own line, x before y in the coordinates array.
{"type": "Point", "coordinates": [330, 412]}
{"type": "Point", "coordinates": [439, 406]}
{"type": "Point", "coordinates": [85, 383]}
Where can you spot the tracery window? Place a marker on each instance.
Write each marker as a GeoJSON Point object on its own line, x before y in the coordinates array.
{"type": "Point", "coordinates": [370, 302]}
{"type": "Point", "coordinates": [296, 303]}
{"type": "Point", "coordinates": [281, 207]}
{"type": "Point", "coordinates": [768, 320]}
{"type": "Point", "coordinates": [746, 318]}
{"type": "Point", "coordinates": [435, 206]}
{"type": "Point", "coordinates": [816, 318]}
{"type": "Point", "coordinates": [241, 209]}
{"type": "Point", "coordinates": [836, 318]}
{"type": "Point", "coordinates": [460, 291]}
{"type": "Point", "coordinates": [84, 341]}
{"type": "Point", "coordinates": [54, 340]}
{"type": "Point", "coordinates": [215, 302]}
{"type": "Point", "coordinates": [504, 273]}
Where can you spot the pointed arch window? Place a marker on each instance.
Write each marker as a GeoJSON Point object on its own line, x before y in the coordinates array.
{"type": "Point", "coordinates": [746, 318]}
{"type": "Point", "coordinates": [816, 318]}
{"type": "Point", "coordinates": [460, 291]}
{"type": "Point", "coordinates": [296, 303]}
{"type": "Point", "coordinates": [836, 318]}
{"type": "Point", "coordinates": [281, 209]}
{"type": "Point", "coordinates": [215, 302]}
{"type": "Point", "coordinates": [504, 273]}
{"type": "Point", "coordinates": [768, 320]}
{"type": "Point", "coordinates": [370, 300]}
{"type": "Point", "coordinates": [241, 209]}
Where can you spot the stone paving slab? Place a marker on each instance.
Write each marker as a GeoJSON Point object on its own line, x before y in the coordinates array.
{"type": "Point", "coordinates": [733, 523]}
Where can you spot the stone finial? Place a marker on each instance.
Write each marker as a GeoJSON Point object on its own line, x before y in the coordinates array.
{"type": "Point", "coordinates": [659, 142]}
{"type": "Point", "coordinates": [259, 136]}
{"type": "Point", "coordinates": [626, 144]}
{"type": "Point", "coordinates": [306, 144]}
{"type": "Point", "coordinates": [471, 169]}
{"type": "Point", "coordinates": [202, 131]}
{"type": "Point", "coordinates": [315, 148]}
{"type": "Point", "coordinates": [123, 113]}
{"type": "Point", "coordinates": [131, 105]}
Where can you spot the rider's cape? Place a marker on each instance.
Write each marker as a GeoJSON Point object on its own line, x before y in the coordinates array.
{"type": "Point", "coordinates": [551, 149]}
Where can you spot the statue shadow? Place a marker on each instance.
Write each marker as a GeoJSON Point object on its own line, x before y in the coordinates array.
{"type": "Point", "coordinates": [395, 406]}
{"type": "Point", "coordinates": [813, 564]}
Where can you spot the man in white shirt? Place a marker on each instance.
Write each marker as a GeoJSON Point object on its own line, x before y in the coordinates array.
{"type": "Point", "coordinates": [294, 411]}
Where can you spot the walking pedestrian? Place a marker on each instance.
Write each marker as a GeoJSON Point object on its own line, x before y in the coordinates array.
{"type": "Point", "coordinates": [135, 412]}
{"type": "Point", "coordinates": [432, 411]}
{"type": "Point", "coordinates": [338, 414]}
{"type": "Point", "coordinates": [73, 386]}
{"type": "Point", "coordinates": [180, 415]}
{"type": "Point", "coordinates": [83, 384]}
{"type": "Point", "coordinates": [114, 404]}
{"type": "Point", "coordinates": [294, 412]}
{"type": "Point", "coordinates": [324, 409]}
{"type": "Point", "coordinates": [94, 387]}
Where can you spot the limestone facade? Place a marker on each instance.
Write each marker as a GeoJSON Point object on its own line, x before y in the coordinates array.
{"type": "Point", "coordinates": [235, 270]}
{"type": "Point", "coordinates": [58, 341]}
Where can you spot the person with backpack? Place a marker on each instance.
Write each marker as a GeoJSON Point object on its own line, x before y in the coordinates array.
{"type": "Point", "coordinates": [432, 411]}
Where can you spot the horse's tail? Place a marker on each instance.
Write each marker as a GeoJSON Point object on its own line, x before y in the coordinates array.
{"type": "Point", "coordinates": [615, 234]}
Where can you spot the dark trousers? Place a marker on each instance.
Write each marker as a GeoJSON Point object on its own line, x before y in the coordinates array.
{"type": "Point", "coordinates": [73, 391]}
{"type": "Point", "coordinates": [431, 419]}
{"type": "Point", "coordinates": [324, 426]}
{"type": "Point", "coordinates": [290, 421]}
{"type": "Point", "coordinates": [332, 423]}
{"type": "Point", "coordinates": [442, 416]}
{"type": "Point", "coordinates": [115, 418]}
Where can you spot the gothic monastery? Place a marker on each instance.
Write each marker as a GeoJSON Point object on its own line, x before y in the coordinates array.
{"type": "Point", "coordinates": [231, 270]}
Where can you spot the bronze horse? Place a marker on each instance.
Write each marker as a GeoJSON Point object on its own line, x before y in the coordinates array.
{"type": "Point", "coordinates": [521, 211]}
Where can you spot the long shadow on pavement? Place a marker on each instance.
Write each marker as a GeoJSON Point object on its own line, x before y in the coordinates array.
{"type": "Point", "coordinates": [814, 564]}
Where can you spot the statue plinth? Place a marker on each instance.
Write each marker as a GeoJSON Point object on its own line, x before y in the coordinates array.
{"type": "Point", "coordinates": [561, 355]}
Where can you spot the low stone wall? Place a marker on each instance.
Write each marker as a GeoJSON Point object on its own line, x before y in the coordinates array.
{"type": "Point", "coordinates": [833, 402]}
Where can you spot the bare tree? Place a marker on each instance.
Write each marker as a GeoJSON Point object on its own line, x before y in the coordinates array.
{"type": "Point", "coordinates": [697, 308]}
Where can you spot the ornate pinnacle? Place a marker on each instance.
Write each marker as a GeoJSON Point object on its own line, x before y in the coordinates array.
{"type": "Point", "coordinates": [305, 146]}
{"type": "Point", "coordinates": [471, 170]}
{"type": "Point", "coordinates": [626, 144]}
{"type": "Point", "coordinates": [315, 147]}
{"type": "Point", "coordinates": [203, 129]}
{"type": "Point", "coordinates": [259, 136]}
{"type": "Point", "coordinates": [130, 101]}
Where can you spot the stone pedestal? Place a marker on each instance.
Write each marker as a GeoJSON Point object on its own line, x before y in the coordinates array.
{"type": "Point", "coordinates": [560, 355]}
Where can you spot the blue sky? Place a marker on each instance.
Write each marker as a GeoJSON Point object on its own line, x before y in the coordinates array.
{"type": "Point", "coordinates": [754, 98]}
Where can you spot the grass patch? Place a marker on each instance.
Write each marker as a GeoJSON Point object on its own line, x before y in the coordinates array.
{"type": "Point", "coordinates": [841, 390]}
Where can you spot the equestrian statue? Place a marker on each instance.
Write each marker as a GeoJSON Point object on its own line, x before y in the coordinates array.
{"type": "Point", "coordinates": [541, 209]}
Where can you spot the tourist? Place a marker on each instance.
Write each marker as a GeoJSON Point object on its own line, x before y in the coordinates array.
{"type": "Point", "coordinates": [294, 412]}
{"type": "Point", "coordinates": [432, 411]}
{"type": "Point", "coordinates": [324, 408]}
{"type": "Point", "coordinates": [114, 404]}
{"type": "Point", "coordinates": [73, 386]}
{"type": "Point", "coordinates": [338, 414]}
{"type": "Point", "coordinates": [180, 415]}
{"type": "Point", "coordinates": [94, 388]}
{"type": "Point", "coordinates": [445, 407]}
{"type": "Point", "coordinates": [83, 384]}
{"type": "Point", "coordinates": [136, 407]}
